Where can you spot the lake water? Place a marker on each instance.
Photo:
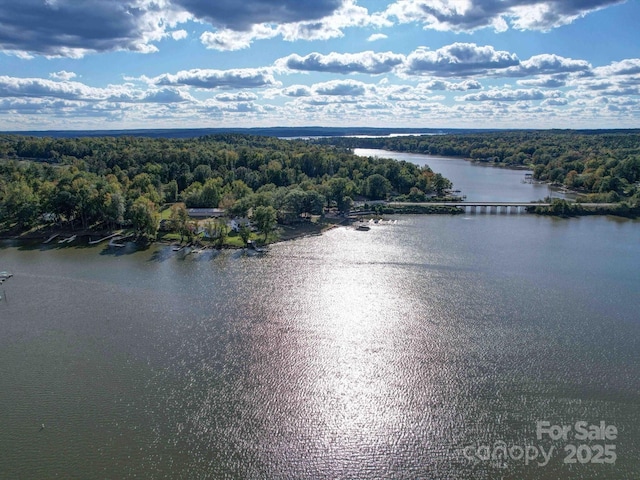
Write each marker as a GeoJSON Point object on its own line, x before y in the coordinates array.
{"type": "Point", "coordinates": [479, 182]}
{"type": "Point", "coordinates": [394, 353]}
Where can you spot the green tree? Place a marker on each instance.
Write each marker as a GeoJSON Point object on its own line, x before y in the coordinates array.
{"type": "Point", "coordinates": [210, 194]}
{"type": "Point", "coordinates": [314, 202]}
{"type": "Point", "coordinates": [20, 204]}
{"type": "Point", "coordinates": [239, 189]}
{"type": "Point", "coordinates": [170, 191]}
{"type": "Point", "coordinates": [244, 233]}
{"type": "Point", "coordinates": [178, 218]}
{"type": "Point", "coordinates": [265, 219]}
{"type": "Point", "coordinates": [441, 184]}
{"type": "Point", "coordinates": [202, 173]}
{"type": "Point", "coordinates": [114, 209]}
{"type": "Point", "coordinates": [145, 218]}
{"type": "Point", "coordinates": [217, 231]}
{"type": "Point", "coordinates": [338, 189]}
{"type": "Point", "coordinates": [377, 187]}
{"type": "Point", "coordinates": [345, 204]}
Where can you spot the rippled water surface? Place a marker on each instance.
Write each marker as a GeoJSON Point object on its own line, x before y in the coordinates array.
{"type": "Point", "coordinates": [378, 354]}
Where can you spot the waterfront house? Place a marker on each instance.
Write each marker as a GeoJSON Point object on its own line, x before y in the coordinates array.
{"type": "Point", "coordinates": [237, 223]}
{"type": "Point", "coordinates": [205, 212]}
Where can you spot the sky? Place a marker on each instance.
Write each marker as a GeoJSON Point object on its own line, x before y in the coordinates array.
{"type": "Point", "coordinates": [120, 64]}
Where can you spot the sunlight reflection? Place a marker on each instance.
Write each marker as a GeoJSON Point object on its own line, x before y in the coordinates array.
{"type": "Point", "coordinates": [359, 312]}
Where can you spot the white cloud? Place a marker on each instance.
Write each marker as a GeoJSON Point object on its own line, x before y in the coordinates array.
{"type": "Point", "coordinates": [242, 15]}
{"type": "Point", "coordinates": [39, 88]}
{"type": "Point", "coordinates": [230, 40]}
{"type": "Point", "coordinates": [236, 97]}
{"type": "Point", "coordinates": [458, 60]}
{"type": "Point", "coordinates": [470, 15]}
{"type": "Point", "coordinates": [69, 28]}
{"type": "Point", "coordinates": [629, 66]}
{"type": "Point", "coordinates": [546, 81]}
{"type": "Point", "coordinates": [510, 95]}
{"type": "Point", "coordinates": [297, 91]}
{"type": "Point", "coordinates": [62, 75]}
{"type": "Point", "coordinates": [213, 79]}
{"type": "Point", "coordinates": [346, 14]}
{"type": "Point", "coordinates": [166, 95]}
{"type": "Point", "coordinates": [559, 102]}
{"type": "Point", "coordinates": [452, 86]}
{"type": "Point", "coordinates": [341, 87]}
{"type": "Point", "coordinates": [343, 63]}
{"type": "Point", "coordinates": [547, 64]}
{"type": "Point", "coordinates": [377, 36]}
{"type": "Point", "coordinates": [179, 34]}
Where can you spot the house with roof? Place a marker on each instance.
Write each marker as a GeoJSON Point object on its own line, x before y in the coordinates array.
{"type": "Point", "coordinates": [206, 212]}
{"type": "Point", "coordinates": [237, 223]}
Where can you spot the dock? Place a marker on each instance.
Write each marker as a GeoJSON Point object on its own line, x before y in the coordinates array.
{"type": "Point", "coordinates": [50, 238]}
{"type": "Point", "coordinates": [95, 242]}
{"type": "Point", "coordinates": [68, 239]}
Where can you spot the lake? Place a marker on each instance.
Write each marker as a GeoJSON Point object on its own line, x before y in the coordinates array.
{"type": "Point", "coordinates": [408, 351]}
{"type": "Point", "coordinates": [479, 182]}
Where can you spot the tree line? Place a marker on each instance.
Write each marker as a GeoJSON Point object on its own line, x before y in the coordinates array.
{"type": "Point", "coordinates": [104, 182]}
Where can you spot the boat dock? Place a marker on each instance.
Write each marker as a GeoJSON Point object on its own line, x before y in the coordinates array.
{"type": "Point", "coordinates": [50, 238]}
{"type": "Point", "coordinates": [68, 239]}
{"type": "Point", "coordinates": [95, 242]}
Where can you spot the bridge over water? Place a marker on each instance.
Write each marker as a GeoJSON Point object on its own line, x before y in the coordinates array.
{"type": "Point", "coordinates": [496, 207]}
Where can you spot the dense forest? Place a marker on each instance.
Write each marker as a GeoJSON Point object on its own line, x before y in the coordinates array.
{"type": "Point", "coordinates": [605, 166]}
{"type": "Point", "coordinates": [105, 182]}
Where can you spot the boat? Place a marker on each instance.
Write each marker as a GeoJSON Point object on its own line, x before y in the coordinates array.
{"type": "Point", "coordinates": [252, 246]}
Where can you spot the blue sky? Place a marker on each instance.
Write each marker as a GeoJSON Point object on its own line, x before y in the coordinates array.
{"type": "Point", "coordinates": [117, 64]}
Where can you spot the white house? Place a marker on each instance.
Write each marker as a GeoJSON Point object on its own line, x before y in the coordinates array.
{"type": "Point", "coordinates": [237, 223]}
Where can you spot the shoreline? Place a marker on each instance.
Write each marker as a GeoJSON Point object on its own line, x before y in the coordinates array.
{"type": "Point", "coordinates": [61, 237]}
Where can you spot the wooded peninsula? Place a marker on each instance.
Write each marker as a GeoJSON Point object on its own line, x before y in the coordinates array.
{"type": "Point", "coordinates": [106, 183]}
{"type": "Point", "coordinates": [109, 182]}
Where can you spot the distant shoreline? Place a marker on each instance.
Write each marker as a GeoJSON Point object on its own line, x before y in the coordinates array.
{"type": "Point", "coordinates": [286, 132]}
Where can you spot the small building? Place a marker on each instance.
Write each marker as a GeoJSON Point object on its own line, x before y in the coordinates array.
{"type": "Point", "coordinates": [205, 212]}
{"type": "Point", "coordinates": [49, 217]}
{"type": "Point", "coordinates": [237, 223]}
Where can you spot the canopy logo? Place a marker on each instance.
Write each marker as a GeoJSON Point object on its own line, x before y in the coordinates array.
{"type": "Point", "coordinates": [597, 446]}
